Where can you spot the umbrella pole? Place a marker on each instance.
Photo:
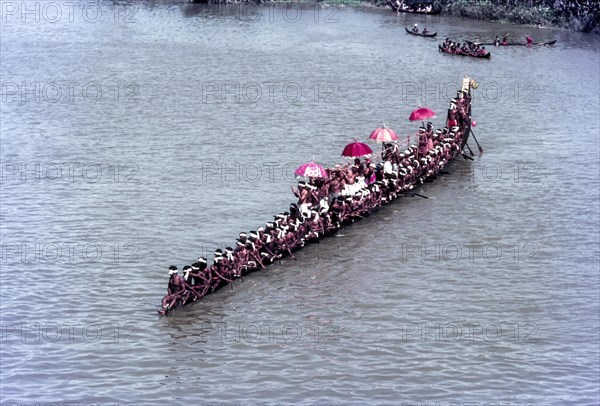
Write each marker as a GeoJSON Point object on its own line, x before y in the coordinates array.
{"type": "Point", "coordinates": [417, 151]}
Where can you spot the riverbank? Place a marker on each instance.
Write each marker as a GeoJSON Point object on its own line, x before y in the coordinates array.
{"type": "Point", "coordinates": [581, 16]}
{"type": "Point", "coordinates": [572, 15]}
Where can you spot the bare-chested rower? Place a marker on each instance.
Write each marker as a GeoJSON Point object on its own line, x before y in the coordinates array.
{"type": "Point", "coordinates": [177, 290]}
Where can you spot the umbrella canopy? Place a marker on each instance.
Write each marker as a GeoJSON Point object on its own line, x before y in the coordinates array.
{"type": "Point", "coordinates": [356, 149]}
{"type": "Point", "coordinates": [383, 134]}
{"type": "Point", "coordinates": [421, 113]}
{"type": "Point", "coordinates": [311, 170]}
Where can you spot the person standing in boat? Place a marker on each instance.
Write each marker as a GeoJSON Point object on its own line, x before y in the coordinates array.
{"type": "Point", "coordinates": [505, 39]}
{"type": "Point", "coordinates": [335, 185]}
{"type": "Point", "coordinates": [529, 40]}
{"type": "Point", "coordinates": [497, 40]}
{"type": "Point", "coordinates": [452, 114]}
{"type": "Point", "coordinates": [304, 196]}
{"type": "Point", "coordinates": [415, 28]}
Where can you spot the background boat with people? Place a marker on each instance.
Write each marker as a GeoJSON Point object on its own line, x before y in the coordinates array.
{"type": "Point", "coordinates": [420, 34]}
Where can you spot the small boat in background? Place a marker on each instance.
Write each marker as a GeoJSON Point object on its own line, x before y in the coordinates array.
{"type": "Point", "coordinates": [420, 34]}
{"type": "Point", "coordinates": [515, 44]}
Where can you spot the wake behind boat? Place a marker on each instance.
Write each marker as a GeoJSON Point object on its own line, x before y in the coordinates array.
{"type": "Point", "coordinates": [333, 198]}
{"type": "Point", "coordinates": [420, 34]}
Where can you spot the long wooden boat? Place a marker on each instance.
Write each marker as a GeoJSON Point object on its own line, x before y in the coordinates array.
{"type": "Point", "coordinates": [517, 44]}
{"type": "Point", "coordinates": [408, 9]}
{"type": "Point", "coordinates": [485, 56]}
{"type": "Point", "coordinates": [414, 169]}
{"type": "Point", "coordinates": [420, 34]}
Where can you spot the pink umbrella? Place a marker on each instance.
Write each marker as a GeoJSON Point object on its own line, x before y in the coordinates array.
{"type": "Point", "coordinates": [311, 170]}
{"type": "Point", "coordinates": [383, 134]}
{"type": "Point", "coordinates": [356, 149]}
{"type": "Point", "coordinates": [421, 114]}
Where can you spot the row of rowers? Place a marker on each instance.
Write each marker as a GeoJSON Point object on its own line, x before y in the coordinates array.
{"type": "Point", "coordinates": [292, 230]}
{"type": "Point", "coordinates": [435, 148]}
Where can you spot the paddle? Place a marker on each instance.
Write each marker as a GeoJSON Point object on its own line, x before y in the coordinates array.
{"type": "Point", "coordinates": [225, 279]}
{"type": "Point", "coordinates": [478, 146]}
{"type": "Point", "coordinates": [415, 194]}
{"type": "Point", "coordinates": [470, 150]}
{"type": "Point", "coordinates": [467, 157]}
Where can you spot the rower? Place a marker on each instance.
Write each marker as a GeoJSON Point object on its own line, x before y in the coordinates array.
{"type": "Point", "coordinates": [425, 31]}
{"type": "Point", "coordinates": [197, 272]}
{"type": "Point", "coordinates": [529, 39]}
{"type": "Point", "coordinates": [497, 40]}
{"type": "Point", "coordinates": [415, 28]}
{"type": "Point", "coordinates": [452, 114]}
{"type": "Point", "coordinates": [186, 274]}
{"type": "Point", "coordinates": [505, 38]}
{"type": "Point", "coordinates": [304, 196]}
{"type": "Point", "coordinates": [177, 289]}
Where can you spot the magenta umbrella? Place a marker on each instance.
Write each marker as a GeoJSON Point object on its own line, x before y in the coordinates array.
{"type": "Point", "coordinates": [356, 149]}
{"type": "Point", "coordinates": [311, 170]}
{"type": "Point", "coordinates": [421, 114]}
{"type": "Point", "coordinates": [383, 134]}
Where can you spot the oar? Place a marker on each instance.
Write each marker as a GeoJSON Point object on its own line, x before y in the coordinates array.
{"type": "Point", "coordinates": [415, 194]}
{"type": "Point", "coordinates": [469, 148]}
{"type": "Point", "coordinates": [467, 157]}
{"type": "Point", "coordinates": [478, 146]}
{"type": "Point", "coordinates": [225, 279]}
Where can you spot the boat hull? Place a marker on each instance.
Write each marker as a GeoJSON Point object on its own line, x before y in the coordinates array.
{"type": "Point", "coordinates": [515, 44]}
{"type": "Point", "coordinates": [486, 56]}
{"type": "Point", "coordinates": [420, 34]}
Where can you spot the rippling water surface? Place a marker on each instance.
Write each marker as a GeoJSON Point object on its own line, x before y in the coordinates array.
{"type": "Point", "coordinates": [162, 130]}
